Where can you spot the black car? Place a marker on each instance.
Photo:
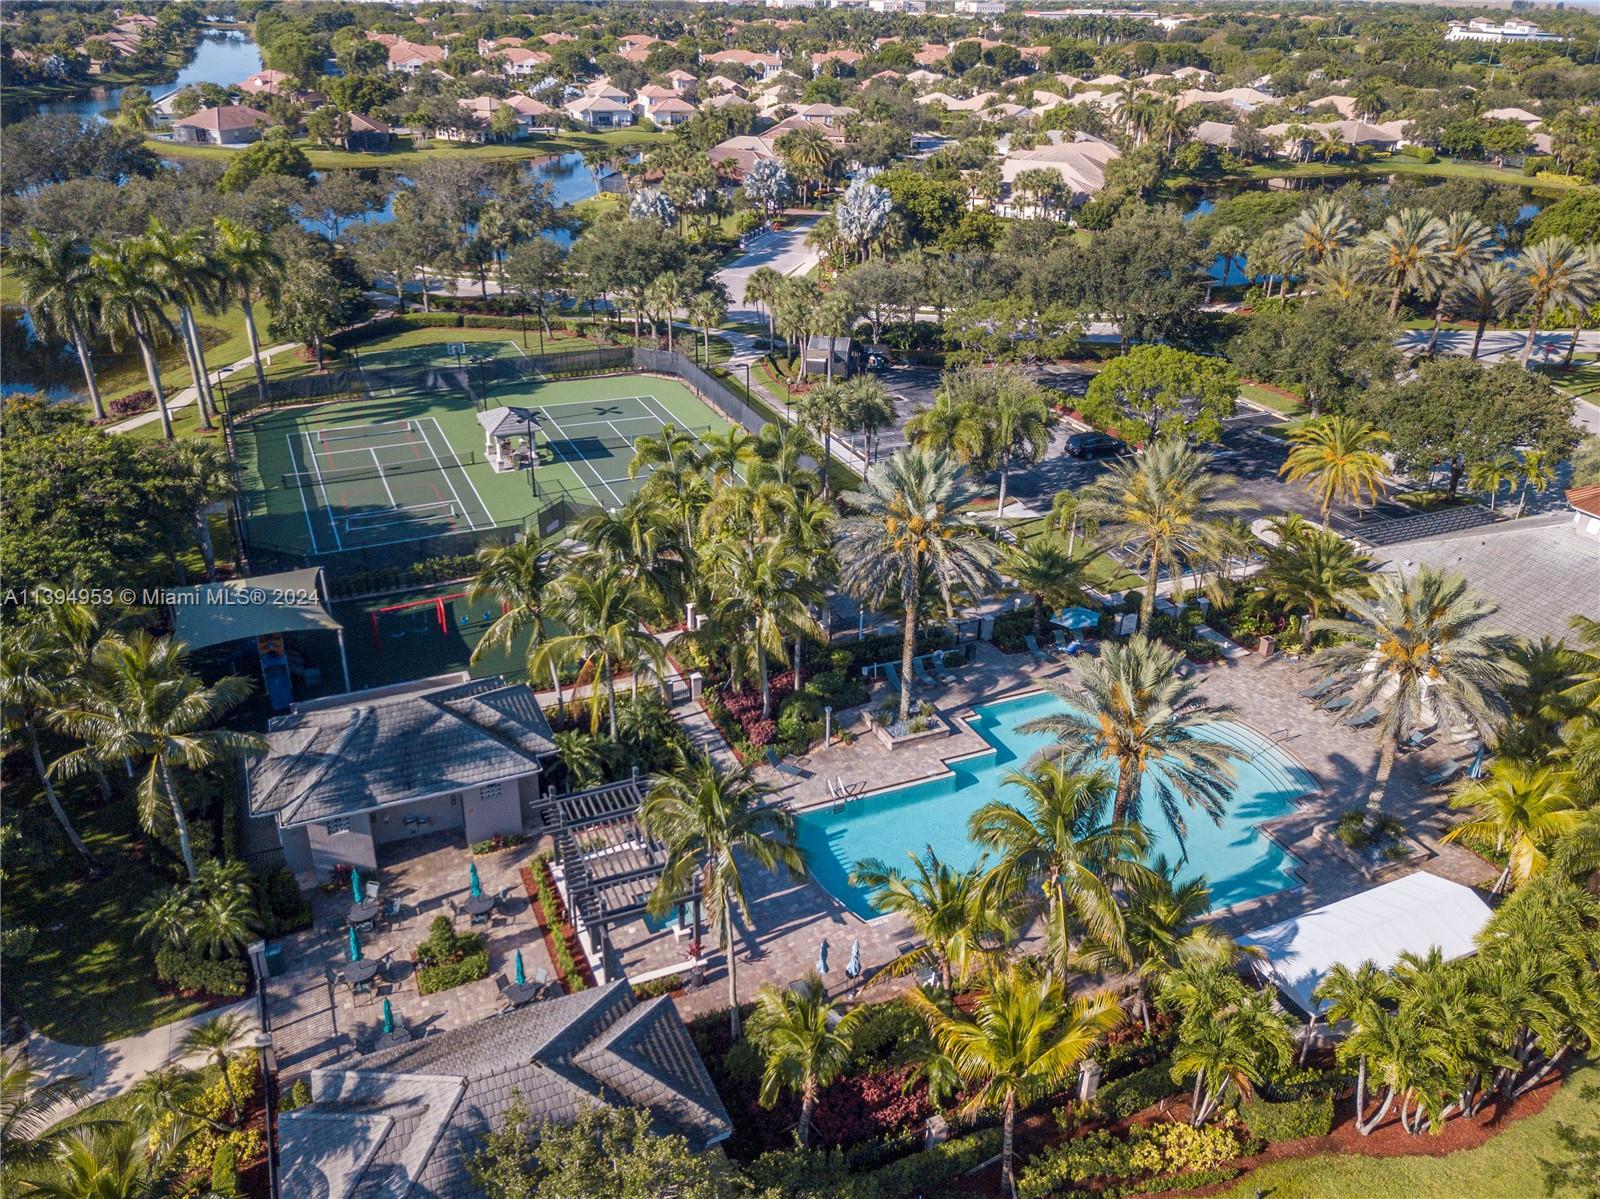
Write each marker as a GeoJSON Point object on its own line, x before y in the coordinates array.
{"type": "Point", "coordinates": [1095, 445]}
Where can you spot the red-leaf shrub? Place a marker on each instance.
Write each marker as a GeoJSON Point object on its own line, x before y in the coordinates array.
{"type": "Point", "coordinates": [874, 1105]}
{"type": "Point", "coordinates": [745, 707]}
{"type": "Point", "coordinates": [133, 403]}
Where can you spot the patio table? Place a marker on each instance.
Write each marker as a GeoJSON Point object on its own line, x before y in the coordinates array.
{"type": "Point", "coordinates": [479, 906]}
{"type": "Point", "coordinates": [518, 994]}
{"type": "Point", "coordinates": [359, 973]}
{"type": "Point", "coordinates": [363, 913]}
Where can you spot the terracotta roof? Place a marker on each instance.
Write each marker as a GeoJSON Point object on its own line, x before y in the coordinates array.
{"type": "Point", "coordinates": [1585, 499]}
{"type": "Point", "coordinates": [231, 116]}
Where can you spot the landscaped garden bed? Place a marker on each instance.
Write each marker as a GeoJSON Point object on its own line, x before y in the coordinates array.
{"type": "Point", "coordinates": [560, 937]}
{"type": "Point", "coordinates": [449, 958]}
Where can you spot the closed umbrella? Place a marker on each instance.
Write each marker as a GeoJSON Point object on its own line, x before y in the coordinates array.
{"type": "Point", "coordinates": [355, 946]}
{"type": "Point", "coordinates": [852, 968]}
{"type": "Point", "coordinates": [388, 1018]}
{"type": "Point", "coordinates": [522, 975]}
{"type": "Point", "coordinates": [477, 887]}
{"type": "Point", "coordinates": [356, 888]}
{"type": "Point", "coordinates": [1476, 770]}
{"type": "Point", "coordinates": [822, 957]}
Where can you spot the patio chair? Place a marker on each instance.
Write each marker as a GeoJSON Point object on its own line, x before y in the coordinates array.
{"type": "Point", "coordinates": [1321, 689]}
{"type": "Point", "coordinates": [781, 766]}
{"type": "Point", "coordinates": [1032, 643]}
{"type": "Point", "coordinates": [1060, 639]}
{"type": "Point", "coordinates": [1416, 740]}
{"type": "Point", "coordinates": [921, 672]}
{"type": "Point", "coordinates": [1338, 704]}
{"type": "Point", "coordinates": [1442, 775]}
{"type": "Point", "coordinates": [936, 664]}
{"type": "Point", "coordinates": [1365, 719]}
{"type": "Point", "coordinates": [892, 673]}
{"type": "Point", "coordinates": [372, 890]}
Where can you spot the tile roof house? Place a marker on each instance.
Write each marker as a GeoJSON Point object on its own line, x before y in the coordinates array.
{"type": "Point", "coordinates": [520, 63]}
{"type": "Point", "coordinates": [600, 112]}
{"type": "Point", "coordinates": [764, 65]}
{"type": "Point", "coordinates": [681, 82]}
{"type": "Point", "coordinates": [1585, 505]}
{"type": "Point", "coordinates": [404, 1121]}
{"type": "Point", "coordinates": [229, 125]}
{"type": "Point", "coordinates": [738, 154]}
{"type": "Point", "coordinates": [342, 776]}
{"type": "Point", "coordinates": [268, 83]}
{"type": "Point", "coordinates": [409, 58]}
{"type": "Point", "coordinates": [1345, 106]}
{"type": "Point", "coordinates": [367, 134]}
{"type": "Point", "coordinates": [1081, 163]}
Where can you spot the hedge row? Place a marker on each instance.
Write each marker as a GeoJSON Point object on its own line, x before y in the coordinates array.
{"type": "Point", "coordinates": [556, 920]}
{"type": "Point", "coordinates": [189, 970]}
{"type": "Point", "coordinates": [1134, 1092]}
{"type": "Point", "coordinates": [791, 1173]}
{"type": "Point", "coordinates": [1291, 1119]}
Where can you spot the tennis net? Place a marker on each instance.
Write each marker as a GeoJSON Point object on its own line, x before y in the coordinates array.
{"type": "Point", "coordinates": [308, 479]}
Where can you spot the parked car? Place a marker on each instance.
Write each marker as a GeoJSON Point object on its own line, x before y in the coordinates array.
{"type": "Point", "coordinates": [1095, 445]}
{"type": "Point", "coordinates": [878, 359]}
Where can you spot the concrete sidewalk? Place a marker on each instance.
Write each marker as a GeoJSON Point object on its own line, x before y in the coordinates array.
{"type": "Point", "coordinates": [186, 397]}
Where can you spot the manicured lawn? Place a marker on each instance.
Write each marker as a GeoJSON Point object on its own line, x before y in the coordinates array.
{"type": "Point", "coordinates": [404, 154]}
{"type": "Point", "coordinates": [185, 423]}
{"type": "Point", "coordinates": [1508, 1167]}
{"type": "Point", "coordinates": [1272, 397]}
{"type": "Point", "coordinates": [1582, 379]}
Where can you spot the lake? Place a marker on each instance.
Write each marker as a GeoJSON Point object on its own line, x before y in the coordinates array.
{"type": "Point", "coordinates": [224, 57]}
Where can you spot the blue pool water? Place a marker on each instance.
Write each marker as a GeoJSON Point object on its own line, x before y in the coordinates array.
{"type": "Point", "coordinates": [1238, 860]}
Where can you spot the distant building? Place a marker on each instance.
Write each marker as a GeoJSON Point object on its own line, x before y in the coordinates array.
{"type": "Point", "coordinates": [980, 8]}
{"type": "Point", "coordinates": [831, 357]}
{"type": "Point", "coordinates": [1585, 505]}
{"type": "Point", "coordinates": [367, 135]}
{"type": "Point", "coordinates": [1081, 163]}
{"type": "Point", "coordinates": [600, 112]}
{"type": "Point", "coordinates": [230, 125]}
{"type": "Point", "coordinates": [1515, 29]}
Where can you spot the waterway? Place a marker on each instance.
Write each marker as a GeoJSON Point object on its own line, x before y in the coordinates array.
{"type": "Point", "coordinates": [223, 57]}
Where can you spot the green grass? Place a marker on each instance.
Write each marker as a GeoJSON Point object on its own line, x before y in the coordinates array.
{"type": "Point", "coordinates": [1508, 1167]}
{"type": "Point", "coordinates": [1582, 379]}
{"type": "Point", "coordinates": [1273, 398]}
{"type": "Point", "coordinates": [89, 978]}
{"type": "Point", "coordinates": [390, 347]}
{"type": "Point", "coordinates": [403, 153]}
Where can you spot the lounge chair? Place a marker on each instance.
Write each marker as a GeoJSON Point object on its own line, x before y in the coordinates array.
{"type": "Point", "coordinates": [1061, 642]}
{"type": "Point", "coordinates": [1366, 718]}
{"type": "Point", "coordinates": [1320, 689]}
{"type": "Point", "coordinates": [783, 767]}
{"type": "Point", "coordinates": [936, 664]}
{"type": "Point", "coordinates": [1033, 647]}
{"type": "Point", "coordinates": [1415, 740]}
{"type": "Point", "coordinates": [892, 673]}
{"type": "Point", "coordinates": [1338, 704]}
{"type": "Point", "coordinates": [920, 671]}
{"type": "Point", "coordinates": [1442, 775]}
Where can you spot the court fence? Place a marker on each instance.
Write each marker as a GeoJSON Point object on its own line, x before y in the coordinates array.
{"type": "Point", "coordinates": [710, 388]}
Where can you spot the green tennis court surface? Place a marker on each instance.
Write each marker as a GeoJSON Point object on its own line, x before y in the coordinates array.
{"type": "Point", "coordinates": [406, 472]}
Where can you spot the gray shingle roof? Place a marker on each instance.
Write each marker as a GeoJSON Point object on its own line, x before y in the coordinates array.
{"type": "Point", "coordinates": [402, 1122]}
{"type": "Point", "coordinates": [336, 761]}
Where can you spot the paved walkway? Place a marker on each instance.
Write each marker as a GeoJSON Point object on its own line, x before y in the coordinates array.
{"type": "Point", "coordinates": [186, 397]}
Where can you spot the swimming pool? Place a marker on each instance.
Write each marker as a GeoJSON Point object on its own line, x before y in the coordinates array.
{"type": "Point", "coordinates": [1240, 862]}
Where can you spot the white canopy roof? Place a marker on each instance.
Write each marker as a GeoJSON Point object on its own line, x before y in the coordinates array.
{"type": "Point", "coordinates": [1414, 913]}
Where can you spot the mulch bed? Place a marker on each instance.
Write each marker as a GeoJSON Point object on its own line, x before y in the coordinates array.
{"type": "Point", "coordinates": [550, 922]}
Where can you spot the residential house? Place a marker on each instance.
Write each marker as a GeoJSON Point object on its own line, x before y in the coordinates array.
{"type": "Point", "coordinates": [738, 154]}
{"type": "Point", "coordinates": [403, 1121]}
{"type": "Point", "coordinates": [229, 125]}
{"type": "Point", "coordinates": [344, 776]}
{"type": "Point", "coordinates": [663, 106]}
{"type": "Point", "coordinates": [603, 89]}
{"type": "Point", "coordinates": [682, 82]}
{"type": "Point", "coordinates": [975, 103]}
{"type": "Point", "coordinates": [931, 55]}
{"type": "Point", "coordinates": [1515, 29]}
{"type": "Point", "coordinates": [540, 116]}
{"type": "Point", "coordinates": [367, 135]}
{"type": "Point", "coordinates": [829, 116]}
{"type": "Point", "coordinates": [1585, 505]}
{"type": "Point", "coordinates": [635, 47]}
{"type": "Point", "coordinates": [1520, 115]}
{"type": "Point", "coordinates": [766, 66]}
{"type": "Point", "coordinates": [521, 63]}
{"type": "Point", "coordinates": [721, 83]}
{"type": "Point", "coordinates": [1353, 133]}
{"type": "Point", "coordinates": [1243, 99]}
{"type": "Point", "coordinates": [1081, 163]}
{"type": "Point", "coordinates": [1214, 133]}
{"type": "Point", "coordinates": [845, 58]}
{"type": "Point", "coordinates": [410, 58]}
{"type": "Point", "coordinates": [1345, 106]}
{"type": "Point", "coordinates": [265, 83]}
{"type": "Point", "coordinates": [600, 112]}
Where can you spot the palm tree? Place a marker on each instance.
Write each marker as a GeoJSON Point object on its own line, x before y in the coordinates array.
{"type": "Point", "coordinates": [1485, 293]}
{"type": "Point", "coordinates": [805, 1043]}
{"type": "Point", "coordinates": [952, 913]}
{"type": "Point", "coordinates": [1338, 458]}
{"type": "Point", "coordinates": [763, 288]}
{"type": "Point", "coordinates": [38, 668]}
{"type": "Point", "coordinates": [821, 410]}
{"type": "Point", "coordinates": [1406, 251]}
{"type": "Point", "coordinates": [143, 705]}
{"type": "Point", "coordinates": [1556, 273]}
{"type": "Point", "coordinates": [1229, 243]}
{"type": "Point", "coordinates": [216, 1038]}
{"type": "Point", "coordinates": [130, 306]}
{"type": "Point", "coordinates": [1233, 1048]}
{"type": "Point", "coordinates": [1331, 144]}
{"type": "Point", "coordinates": [206, 476]}
{"type": "Point", "coordinates": [1418, 650]}
{"type": "Point", "coordinates": [725, 455]}
{"type": "Point", "coordinates": [642, 536]}
{"type": "Point", "coordinates": [709, 820]}
{"type": "Point", "coordinates": [58, 292]}
{"type": "Point", "coordinates": [1520, 810]}
{"type": "Point", "coordinates": [1061, 844]}
{"type": "Point", "coordinates": [946, 427]}
{"type": "Point", "coordinates": [1015, 421]}
{"type": "Point", "coordinates": [1311, 571]}
{"type": "Point", "coordinates": [1357, 996]}
{"type": "Point", "coordinates": [663, 297]}
{"type": "Point", "coordinates": [1493, 475]}
{"type": "Point", "coordinates": [708, 308]}
{"type": "Point", "coordinates": [1343, 275]}
{"type": "Point", "coordinates": [522, 577]}
{"type": "Point", "coordinates": [113, 1162]}
{"type": "Point", "coordinates": [1467, 245]}
{"type": "Point", "coordinates": [809, 155]}
{"type": "Point", "coordinates": [1369, 100]}
{"type": "Point", "coordinates": [603, 612]}
{"type": "Point", "coordinates": [868, 408]}
{"type": "Point", "coordinates": [1044, 570]}
{"type": "Point", "coordinates": [1161, 504]}
{"type": "Point", "coordinates": [136, 111]}
{"type": "Point", "coordinates": [1022, 1040]}
{"type": "Point", "coordinates": [30, 1104]}
{"type": "Point", "coordinates": [187, 276]}
{"type": "Point", "coordinates": [1320, 229]}
{"type": "Point", "coordinates": [908, 521]}
{"type": "Point", "coordinates": [250, 267]}
{"type": "Point", "coordinates": [764, 593]}
{"type": "Point", "coordinates": [1137, 715]}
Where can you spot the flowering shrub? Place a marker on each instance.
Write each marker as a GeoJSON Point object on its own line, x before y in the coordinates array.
{"type": "Point", "coordinates": [1158, 1157]}
{"type": "Point", "coordinates": [1172, 1148]}
{"type": "Point", "coordinates": [200, 1149]}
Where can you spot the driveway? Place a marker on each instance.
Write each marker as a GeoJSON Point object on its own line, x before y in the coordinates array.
{"type": "Point", "coordinates": [784, 250]}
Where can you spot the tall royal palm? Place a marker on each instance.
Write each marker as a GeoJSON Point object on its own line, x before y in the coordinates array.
{"type": "Point", "coordinates": [179, 265]}
{"type": "Point", "coordinates": [58, 291]}
{"type": "Point", "coordinates": [250, 267]}
{"type": "Point", "coordinates": [1137, 715]}
{"type": "Point", "coordinates": [1466, 245]}
{"type": "Point", "coordinates": [1310, 571]}
{"type": "Point", "coordinates": [1163, 504]}
{"type": "Point", "coordinates": [522, 577]}
{"type": "Point", "coordinates": [1338, 458]}
{"type": "Point", "coordinates": [603, 612]}
{"type": "Point", "coordinates": [1059, 842]}
{"type": "Point", "coordinates": [804, 1042]}
{"type": "Point", "coordinates": [709, 820]}
{"type": "Point", "coordinates": [130, 306]}
{"type": "Point", "coordinates": [143, 706]}
{"type": "Point", "coordinates": [763, 593]}
{"type": "Point", "coordinates": [1485, 293]}
{"type": "Point", "coordinates": [1556, 273]}
{"type": "Point", "coordinates": [908, 521]}
{"type": "Point", "coordinates": [1406, 251]}
{"type": "Point", "coordinates": [952, 913]}
{"type": "Point", "coordinates": [1023, 1039]}
{"type": "Point", "coordinates": [1518, 812]}
{"type": "Point", "coordinates": [1419, 649]}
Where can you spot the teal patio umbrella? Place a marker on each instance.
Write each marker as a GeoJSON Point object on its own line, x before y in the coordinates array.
{"type": "Point", "coordinates": [355, 946]}
{"type": "Point", "coordinates": [477, 887]}
{"type": "Point", "coordinates": [356, 888]}
{"type": "Point", "coordinates": [388, 1018]}
{"type": "Point", "coordinates": [522, 975]}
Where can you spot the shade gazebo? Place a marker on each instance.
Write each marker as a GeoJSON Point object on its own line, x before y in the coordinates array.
{"type": "Point", "coordinates": [502, 427]}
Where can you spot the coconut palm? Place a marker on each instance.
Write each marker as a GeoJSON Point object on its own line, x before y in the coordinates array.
{"type": "Point", "coordinates": [58, 292]}
{"type": "Point", "coordinates": [1136, 714]}
{"type": "Point", "coordinates": [1013, 420]}
{"type": "Point", "coordinates": [1556, 273]}
{"type": "Point", "coordinates": [1331, 145]}
{"type": "Point", "coordinates": [1418, 649]}
{"type": "Point", "coordinates": [868, 407]}
{"type": "Point", "coordinates": [1485, 293]}
{"type": "Point", "coordinates": [604, 613]}
{"type": "Point", "coordinates": [764, 593]}
{"type": "Point", "coordinates": [804, 1042]}
{"type": "Point", "coordinates": [955, 917]}
{"type": "Point", "coordinates": [1370, 103]}
{"type": "Point", "coordinates": [1467, 244]}
{"type": "Point", "coordinates": [1356, 996]}
{"type": "Point", "coordinates": [1059, 841]}
{"type": "Point", "coordinates": [215, 1039]}
{"type": "Point", "coordinates": [783, 450]}
{"type": "Point", "coordinates": [728, 454]}
{"type": "Point", "coordinates": [908, 521]}
{"type": "Point", "coordinates": [116, 1161]}
{"type": "Point", "coordinates": [1493, 475]}
{"type": "Point", "coordinates": [130, 301]}
{"type": "Point", "coordinates": [522, 577]}
{"type": "Point", "coordinates": [1406, 251]}
{"type": "Point", "coordinates": [216, 914]}
{"type": "Point", "coordinates": [39, 667]}
{"type": "Point", "coordinates": [675, 465]}
{"type": "Point", "coordinates": [1162, 504]}
{"type": "Point", "coordinates": [642, 536]}
{"type": "Point", "coordinates": [1311, 571]}
{"type": "Point", "coordinates": [947, 427]}
{"type": "Point", "coordinates": [1537, 471]}
{"type": "Point", "coordinates": [1338, 458]}
{"type": "Point", "coordinates": [712, 822]}
{"type": "Point", "coordinates": [823, 409]}
{"type": "Point", "coordinates": [143, 706]}
{"type": "Point", "coordinates": [1022, 1040]}
{"type": "Point", "coordinates": [1320, 229]}
{"type": "Point", "coordinates": [1519, 811]}
{"type": "Point", "coordinates": [250, 268]}
{"type": "Point", "coordinates": [1047, 573]}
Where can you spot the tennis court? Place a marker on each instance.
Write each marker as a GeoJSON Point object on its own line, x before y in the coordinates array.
{"type": "Point", "coordinates": [401, 469]}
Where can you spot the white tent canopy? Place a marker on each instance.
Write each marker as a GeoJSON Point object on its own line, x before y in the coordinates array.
{"type": "Point", "coordinates": [1415, 913]}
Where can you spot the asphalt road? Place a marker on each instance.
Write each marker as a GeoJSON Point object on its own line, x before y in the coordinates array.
{"type": "Point", "coordinates": [784, 250]}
